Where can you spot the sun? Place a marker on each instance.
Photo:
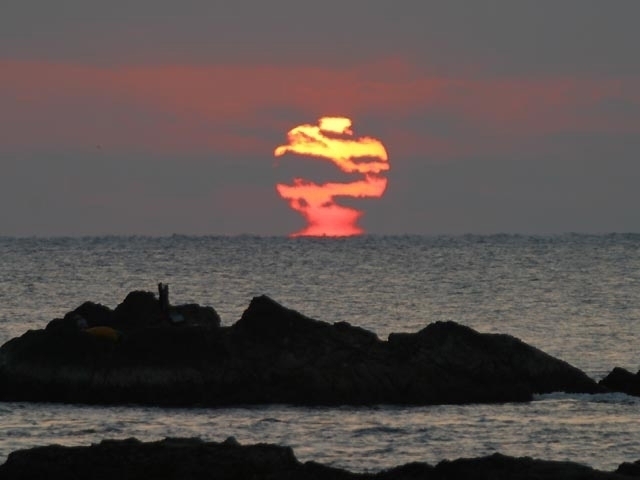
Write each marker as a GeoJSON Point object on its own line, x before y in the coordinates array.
{"type": "Point", "coordinates": [332, 139]}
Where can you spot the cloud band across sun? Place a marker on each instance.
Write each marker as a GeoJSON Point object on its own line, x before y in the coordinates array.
{"type": "Point", "coordinates": [332, 139]}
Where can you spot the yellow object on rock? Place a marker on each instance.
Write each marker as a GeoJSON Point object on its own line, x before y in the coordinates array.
{"type": "Point", "coordinates": [104, 332]}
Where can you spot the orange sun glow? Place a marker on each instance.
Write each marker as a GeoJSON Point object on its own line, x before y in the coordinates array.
{"type": "Point", "coordinates": [332, 139]}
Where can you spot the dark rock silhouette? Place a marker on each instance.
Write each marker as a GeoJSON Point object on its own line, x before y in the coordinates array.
{"type": "Point", "coordinates": [192, 458]}
{"type": "Point", "coordinates": [271, 355]}
{"type": "Point", "coordinates": [621, 380]}
{"type": "Point", "coordinates": [138, 310]}
{"type": "Point", "coordinates": [629, 469]}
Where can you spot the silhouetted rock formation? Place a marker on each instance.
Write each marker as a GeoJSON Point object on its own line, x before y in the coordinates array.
{"type": "Point", "coordinates": [621, 380]}
{"type": "Point", "coordinates": [138, 310]}
{"type": "Point", "coordinates": [271, 355]}
{"type": "Point", "coordinates": [192, 458]}
{"type": "Point", "coordinates": [629, 469]}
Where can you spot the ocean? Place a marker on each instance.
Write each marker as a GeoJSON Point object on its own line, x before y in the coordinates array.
{"type": "Point", "coordinates": [576, 297]}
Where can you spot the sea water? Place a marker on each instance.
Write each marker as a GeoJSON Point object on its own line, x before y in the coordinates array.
{"type": "Point", "coordinates": [576, 297]}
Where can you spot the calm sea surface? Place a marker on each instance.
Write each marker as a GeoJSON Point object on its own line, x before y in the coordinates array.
{"type": "Point", "coordinates": [576, 297]}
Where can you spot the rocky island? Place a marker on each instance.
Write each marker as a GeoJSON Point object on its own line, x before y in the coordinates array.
{"type": "Point", "coordinates": [149, 352]}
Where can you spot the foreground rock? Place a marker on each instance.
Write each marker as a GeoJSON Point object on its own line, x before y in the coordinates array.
{"type": "Point", "coordinates": [271, 355]}
{"type": "Point", "coordinates": [621, 380]}
{"type": "Point", "coordinates": [192, 458]}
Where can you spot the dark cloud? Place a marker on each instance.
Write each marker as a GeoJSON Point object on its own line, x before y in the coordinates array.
{"type": "Point", "coordinates": [570, 183]}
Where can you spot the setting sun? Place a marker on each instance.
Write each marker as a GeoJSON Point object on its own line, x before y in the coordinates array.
{"type": "Point", "coordinates": [332, 139]}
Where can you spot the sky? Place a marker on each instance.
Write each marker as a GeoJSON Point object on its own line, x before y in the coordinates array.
{"type": "Point", "coordinates": [156, 117]}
